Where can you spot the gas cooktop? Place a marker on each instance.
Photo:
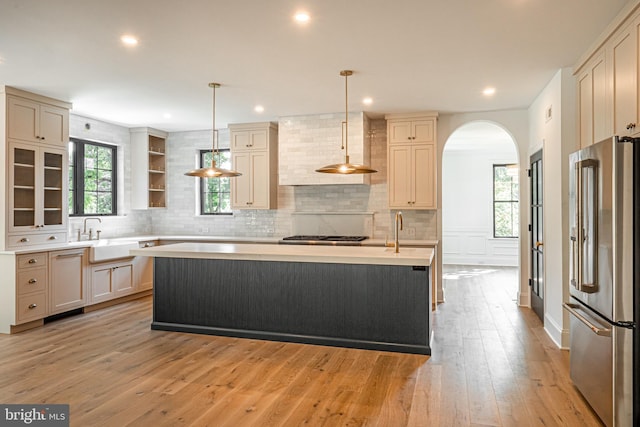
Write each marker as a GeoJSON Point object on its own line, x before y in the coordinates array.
{"type": "Point", "coordinates": [304, 239]}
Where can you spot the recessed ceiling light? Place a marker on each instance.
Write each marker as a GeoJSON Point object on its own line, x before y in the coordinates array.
{"type": "Point", "coordinates": [301, 17]}
{"type": "Point", "coordinates": [258, 109]}
{"type": "Point", "coordinates": [367, 101]}
{"type": "Point", "coordinates": [129, 40]}
{"type": "Point", "coordinates": [489, 91]}
{"type": "Point", "coordinates": [166, 115]}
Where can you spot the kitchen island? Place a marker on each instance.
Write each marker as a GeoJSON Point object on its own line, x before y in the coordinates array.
{"type": "Point", "coordinates": [348, 296]}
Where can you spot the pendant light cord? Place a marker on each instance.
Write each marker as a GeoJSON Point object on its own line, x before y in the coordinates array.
{"type": "Point", "coordinates": [346, 118]}
{"type": "Point", "coordinates": [214, 145]}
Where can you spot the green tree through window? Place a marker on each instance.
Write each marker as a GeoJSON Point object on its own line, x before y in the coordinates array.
{"type": "Point", "coordinates": [505, 201]}
{"type": "Point", "coordinates": [92, 178]}
{"type": "Point", "coordinates": [215, 193]}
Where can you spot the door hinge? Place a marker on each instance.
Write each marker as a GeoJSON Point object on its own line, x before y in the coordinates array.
{"type": "Point", "coordinates": [530, 227]}
{"type": "Point", "coordinates": [530, 283]}
{"type": "Point", "coordinates": [628, 139]}
{"type": "Point", "coordinates": [529, 173]}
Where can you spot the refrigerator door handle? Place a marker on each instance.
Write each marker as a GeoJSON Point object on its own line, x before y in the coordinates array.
{"type": "Point", "coordinates": [585, 236]}
{"type": "Point", "coordinates": [585, 318]}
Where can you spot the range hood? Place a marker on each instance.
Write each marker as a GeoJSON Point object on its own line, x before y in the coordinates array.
{"type": "Point", "coordinates": [304, 142]}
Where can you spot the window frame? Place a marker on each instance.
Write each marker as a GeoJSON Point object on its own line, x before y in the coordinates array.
{"type": "Point", "coordinates": [78, 178]}
{"type": "Point", "coordinates": [512, 202]}
{"type": "Point", "coordinates": [202, 183]}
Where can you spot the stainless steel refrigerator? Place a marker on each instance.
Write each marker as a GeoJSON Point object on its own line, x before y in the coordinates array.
{"type": "Point", "coordinates": [603, 277]}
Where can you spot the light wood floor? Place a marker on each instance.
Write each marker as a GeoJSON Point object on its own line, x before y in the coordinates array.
{"type": "Point", "coordinates": [493, 365]}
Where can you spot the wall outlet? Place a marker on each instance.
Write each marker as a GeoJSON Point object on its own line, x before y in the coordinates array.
{"type": "Point", "coordinates": [411, 231]}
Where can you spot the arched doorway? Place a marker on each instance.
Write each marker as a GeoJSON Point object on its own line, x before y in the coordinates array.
{"type": "Point", "coordinates": [480, 204]}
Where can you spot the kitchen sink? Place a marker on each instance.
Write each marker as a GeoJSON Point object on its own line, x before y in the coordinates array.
{"type": "Point", "coordinates": [109, 249]}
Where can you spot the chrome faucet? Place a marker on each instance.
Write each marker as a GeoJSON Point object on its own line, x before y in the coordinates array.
{"type": "Point", "coordinates": [90, 230]}
{"type": "Point", "coordinates": [398, 223]}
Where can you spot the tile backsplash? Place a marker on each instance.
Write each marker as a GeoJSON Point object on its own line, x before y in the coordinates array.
{"type": "Point", "coordinates": [181, 218]}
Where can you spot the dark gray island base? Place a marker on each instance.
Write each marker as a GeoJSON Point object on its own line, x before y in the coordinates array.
{"type": "Point", "coordinates": [375, 307]}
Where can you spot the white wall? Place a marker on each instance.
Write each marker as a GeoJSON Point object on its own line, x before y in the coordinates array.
{"type": "Point", "coordinates": [467, 207]}
{"type": "Point", "coordinates": [181, 216]}
{"type": "Point", "coordinates": [557, 137]}
{"type": "Point", "coordinates": [127, 222]}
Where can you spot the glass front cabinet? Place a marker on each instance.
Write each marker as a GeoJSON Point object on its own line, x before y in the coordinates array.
{"type": "Point", "coordinates": [37, 187]}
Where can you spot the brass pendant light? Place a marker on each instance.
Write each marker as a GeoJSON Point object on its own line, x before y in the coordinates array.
{"type": "Point", "coordinates": [346, 168]}
{"type": "Point", "coordinates": [213, 171]}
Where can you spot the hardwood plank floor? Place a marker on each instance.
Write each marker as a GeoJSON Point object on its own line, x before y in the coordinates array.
{"type": "Point", "coordinates": [492, 365]}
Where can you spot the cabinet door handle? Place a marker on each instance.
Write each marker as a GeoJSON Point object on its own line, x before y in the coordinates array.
{"type": "Point", "coordinates": [32, 281]}
{"type": "Point", "coordinates": [32, 306]}
{"type": "Point", "coordinates": [33, 261]}
{"type": "Point", "coordinates": [53, 237]}
{"type": "Point", "coordinates": [24, 240]}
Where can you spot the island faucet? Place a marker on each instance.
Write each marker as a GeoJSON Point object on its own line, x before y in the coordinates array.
{"type": "Point", "coordinates": [90, 230]}
{"type": "Point", "coordinates": [398, 223]}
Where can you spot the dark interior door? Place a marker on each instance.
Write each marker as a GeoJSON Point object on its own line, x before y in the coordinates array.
{"type": "Point", "coordinates": [536, 282]}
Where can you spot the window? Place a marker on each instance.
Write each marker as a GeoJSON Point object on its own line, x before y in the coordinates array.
{"type": "Point", "coordinates": [92, 178]}
{"type": "Point", "coordinates": [505, 201]}
{"type": "Point", "coordinates": [215, 193]}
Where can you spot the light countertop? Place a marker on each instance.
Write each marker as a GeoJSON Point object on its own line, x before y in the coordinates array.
{"type": "Point", "coordinates": [200, 238]}
{"type": "Point", "coordinates": [292, 253]}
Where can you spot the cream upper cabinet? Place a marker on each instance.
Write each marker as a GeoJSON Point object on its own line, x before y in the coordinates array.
{"type": "Point", "coordinates": [402, 131]}
{"type": "Point", "coordinates": [37, 190]}
{"type": "Point", "coordinates": [247, 140]}
{"type": "Point", "coordinates": [412, 168]}
{"type": "Point", "coordinates": [411, 180]}
{"type": "Point", "coordinates": [593, 123]}
{"type": "Point", "coordinates": [624, 60]}
{"type": "Point", "coordinates": [607, 86]}
{"type": "Point", "coordinates": [37, 122]}
{"type": "Point", "coordinates": [254, 153]}
{"type": "Point", "coordinates": [67, 287]}
{"type": "Point", "coordinates": [34, 141]}
{"type": "Point", "coordinates": [251, 190]}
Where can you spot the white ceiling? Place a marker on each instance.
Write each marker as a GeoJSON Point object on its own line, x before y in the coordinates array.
{"type": "Point", "coordinates": [408, 55]}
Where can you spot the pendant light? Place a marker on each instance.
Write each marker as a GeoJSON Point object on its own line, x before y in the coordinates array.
{"type": "Point", "coordinates": [213, 171]}
{"type": "Point", "coordinates": [346, 168]}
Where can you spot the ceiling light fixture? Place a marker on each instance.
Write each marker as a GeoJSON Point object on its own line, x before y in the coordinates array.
{"type": "Point", "coordinates": [213, 171]}
{"type": "Point", "coordinates": [346, 168]}
{"type": "Point", "coordinates": [489, 91]}
{"type": "Point", "coordinates": [302, 17]}
{"type": "Point", "coordinates": [258, 109]}
{"type": "Point", "coordinates": [129, 40]}
{"type": "Point", "coordinates": [367, 101]}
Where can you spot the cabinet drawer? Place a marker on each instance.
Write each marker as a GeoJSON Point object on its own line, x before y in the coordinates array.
{"type": "Point", "coordinates": [32, 280]}
{"type": "Point", "coordinates": [26, 240]}
{"type": "Point", "coordinates": [32, 260]}
{"type": "Point", "coordinates": [31, 307]}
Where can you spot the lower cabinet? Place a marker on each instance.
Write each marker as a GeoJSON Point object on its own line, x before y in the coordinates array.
{"type": "Point", "coordinates": [112, 280]}
{"type": "Point", "coordinates": [31, 287]}
{"type": "Point", "coordinates": [67, 286]}
{"type": "Point", "coordinates": [143, 268]}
